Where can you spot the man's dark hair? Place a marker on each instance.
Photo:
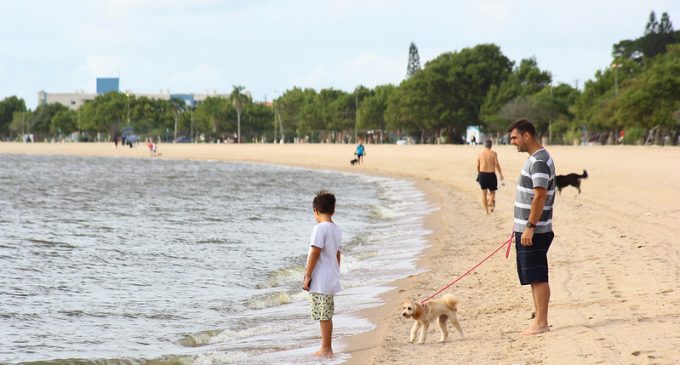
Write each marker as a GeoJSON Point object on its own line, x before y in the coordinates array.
{"type": "Point", "coordinates": [488, 143]}
{"type": "Point", "coordinates": [523, 125]}
{"type": "Point", "coordinates": [324, 202]}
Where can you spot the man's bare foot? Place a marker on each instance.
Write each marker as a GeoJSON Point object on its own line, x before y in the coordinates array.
{"type": "Point", "coordinates": [324, 353]}
{"type": "Point", "coordinates": [535, 330]}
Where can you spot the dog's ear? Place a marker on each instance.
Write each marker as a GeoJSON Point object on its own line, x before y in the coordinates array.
{"type": "Point", "coordinates": [417, 309]}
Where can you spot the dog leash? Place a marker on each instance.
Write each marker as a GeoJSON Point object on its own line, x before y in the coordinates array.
{"type": "Point", "coordinates": [507, 253]}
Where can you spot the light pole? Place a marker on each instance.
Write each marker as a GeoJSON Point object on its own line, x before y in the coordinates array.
{"type": "Point", "coordinates": [127, 93]}
{"type": "Point", "coordinates": [616, 67]}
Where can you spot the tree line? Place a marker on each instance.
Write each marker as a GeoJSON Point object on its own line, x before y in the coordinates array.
{"type": "Point", "coordinates": [635, 99]}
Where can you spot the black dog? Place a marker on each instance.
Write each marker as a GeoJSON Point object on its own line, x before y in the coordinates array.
{"type": "Point", "coordinates": [354, 161]}
{"type": "Point", "coordinates": [571, 179]}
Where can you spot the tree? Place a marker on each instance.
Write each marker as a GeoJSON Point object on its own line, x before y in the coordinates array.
{"type": "Point", "coordinates": [22, 122]}
{"type": "Point", "coordinates": [259, 118]}
{"type": "Point", "coordinates": [238, 99]}
{"type": "Point", "coordinates": [525, 80]}
{"type": "Point", "coordinates": [413, 61]}
{"type": "Point", "coordinates": [656, 35]}
{"type": "Point", "coordinates": [178, 107]}
{"type": "Point", "coordinates": [42, 118]}
{"type": "Point", "coordinates": [212, 115]}
{"type": "Point", "coordinates": [8, 107]}
{"type": "Point", "coordinates": [64, 123]}
{"type": "Point", "coordinates": [650, 99]}
{"type": "Point", "coordinates": [373, 108]}
{"type": "Point", "coordinates": [655, 39]}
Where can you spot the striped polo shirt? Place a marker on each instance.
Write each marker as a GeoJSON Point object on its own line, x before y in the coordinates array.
{"type": "Point", "coordinates": [538, 171]}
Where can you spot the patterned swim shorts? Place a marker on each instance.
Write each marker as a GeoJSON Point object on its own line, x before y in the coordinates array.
{"type": "Point", "coordinates": [323, 307]}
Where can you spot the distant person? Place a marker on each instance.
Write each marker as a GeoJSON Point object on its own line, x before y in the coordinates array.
{"type": "Point", "coordinates": [322, 272]}
{"type": "Point", "coordinates": [361, 152]}
{"type": "Point", "coordinates": [154, 149]}
{"type": "Point", "coordinates": [149, 145]}
{"type": "Point", "coordinates": [487, 164]}
{"type": "Point", "coordinates": [115, 141]}
{"type": "Point", "coordinates": [473, 141]}
{"type": "Point", "coordinates": [533, 219]}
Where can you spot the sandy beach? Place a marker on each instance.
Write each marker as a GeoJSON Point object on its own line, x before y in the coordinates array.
{"type": "Point", "coordinates": [615, 264]}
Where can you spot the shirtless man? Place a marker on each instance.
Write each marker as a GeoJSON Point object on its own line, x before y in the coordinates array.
{"type": "Point", "coordinates": [487, 164]}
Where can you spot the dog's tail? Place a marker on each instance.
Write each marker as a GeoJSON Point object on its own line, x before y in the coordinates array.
{"type": "Point", "coordinates": [585, 174]}
{"type": "Point", "coordinates": [450, 302]}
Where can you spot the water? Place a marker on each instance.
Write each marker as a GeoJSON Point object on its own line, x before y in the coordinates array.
{"type": "Point", "coordinates": [196, 262]}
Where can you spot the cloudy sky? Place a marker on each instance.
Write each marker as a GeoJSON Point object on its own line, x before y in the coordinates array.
{"type": "Point", "coordinates": [271, 46]}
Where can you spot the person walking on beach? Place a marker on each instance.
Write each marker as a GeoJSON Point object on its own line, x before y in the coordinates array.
{"type": "Point", "coordinates": [487, 164]}
{"type": "Point", "coordinates": [533, 219]}
{"type": "Point", "coordinates": [322, 272]}
{"type": "Point", "coordinates": [361, 151]}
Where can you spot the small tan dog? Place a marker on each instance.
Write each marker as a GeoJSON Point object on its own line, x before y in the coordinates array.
{"type": "Point", "coordinates": [444, 309]}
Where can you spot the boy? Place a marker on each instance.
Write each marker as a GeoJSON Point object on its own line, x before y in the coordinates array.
{"type": "Point", "coordinates": [322, 272]}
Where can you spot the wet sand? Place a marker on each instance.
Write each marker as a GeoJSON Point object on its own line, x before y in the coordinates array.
{"type": "Point", "coordinates": [615, 263]}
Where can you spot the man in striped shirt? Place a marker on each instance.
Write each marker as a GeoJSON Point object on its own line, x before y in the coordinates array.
{"type": "Point", "coordinates": [533, 219]}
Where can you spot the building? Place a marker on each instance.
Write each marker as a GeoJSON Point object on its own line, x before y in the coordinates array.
{"type": "Point", "coordinates": [107, 85]}
{"type": "Point", "coordinates": [112, 84]}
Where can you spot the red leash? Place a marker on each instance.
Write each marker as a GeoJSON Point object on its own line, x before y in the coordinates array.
{"type": "Point", "coordinates": [507, 253]}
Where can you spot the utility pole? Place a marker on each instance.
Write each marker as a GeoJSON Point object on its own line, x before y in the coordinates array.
{"type": "Point", "coordinates": [616, 67]}
{"type": "Point", "coordinates": [274, 106]}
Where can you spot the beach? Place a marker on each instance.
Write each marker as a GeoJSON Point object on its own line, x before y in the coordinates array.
{"type": "Point", "coordinates": [614, 271]}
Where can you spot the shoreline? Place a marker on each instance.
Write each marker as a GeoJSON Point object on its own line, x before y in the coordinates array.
{"type": "Point", "coordinates": [614, 265]}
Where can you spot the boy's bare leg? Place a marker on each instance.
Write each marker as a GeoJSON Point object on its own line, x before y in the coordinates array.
{"type": "Point", "coordinates": [326, 335]}
{"type": "Point", "coordinates": [541, 294]}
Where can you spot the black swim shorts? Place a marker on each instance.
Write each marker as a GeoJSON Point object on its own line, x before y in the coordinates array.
{"type": "Point", "coordinates": [488, 181]}
{"type": "Point", "coordinates": [532, 261]}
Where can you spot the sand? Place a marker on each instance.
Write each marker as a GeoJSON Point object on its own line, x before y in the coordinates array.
{"type": "Point", "coordinates": [615, 261]}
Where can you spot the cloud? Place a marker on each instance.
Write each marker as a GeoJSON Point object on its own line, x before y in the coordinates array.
{"type": "Point", "coordinates": [106, 65]}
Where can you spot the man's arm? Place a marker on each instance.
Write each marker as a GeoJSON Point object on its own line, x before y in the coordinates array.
{"type": "Point", "coordinates": [498, 166]}
{"type": "Point", "coordinates": [312, 258]}
{"type": "Point", "coordinates": [338, 256]}
{"type": "Point", "coordinates": [537, 204]}
{"type": "Point", "coordinates": [479, 162]}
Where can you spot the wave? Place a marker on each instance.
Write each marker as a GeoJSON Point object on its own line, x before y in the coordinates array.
{"type": "Point", "coordinates": [269, 300]}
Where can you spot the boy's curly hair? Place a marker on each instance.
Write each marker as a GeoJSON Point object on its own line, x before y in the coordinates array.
{"type": "Point", "coordinates": [324, 202]}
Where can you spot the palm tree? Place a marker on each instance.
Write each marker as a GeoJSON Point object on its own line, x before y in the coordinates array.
{"type": "Point", "coordinates": [237, 97]}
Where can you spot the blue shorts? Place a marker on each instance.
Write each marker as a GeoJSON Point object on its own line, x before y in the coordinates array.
{"type": "Point", "coordinates": [532, 261]}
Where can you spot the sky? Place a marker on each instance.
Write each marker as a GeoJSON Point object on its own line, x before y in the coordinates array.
{"type": "Point", "coordinates": [199, 46]}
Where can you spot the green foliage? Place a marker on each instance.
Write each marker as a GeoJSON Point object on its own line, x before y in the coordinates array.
{"type": "Point", "coordinates": [524, 81]}
{"type": "Point", "coordinates": [8, 107]}
{"type": "Point", "coordinates": [64, 123]}
{"type": "Point", "coordinates": [634, 135]}
{"type": "Point", "coordinates": [373, 107]}
{"type": "Point", "coordinates": [215, 116]}
{"type": "Point", "coordinates": [657, 36]}
{"type": "Point", "coordinates": [572, 135]}
{"type": "Point", "coordinates": [650, 99]}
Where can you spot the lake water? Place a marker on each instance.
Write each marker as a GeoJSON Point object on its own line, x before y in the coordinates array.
{"type": "Point", "coordinates": [115, 260]}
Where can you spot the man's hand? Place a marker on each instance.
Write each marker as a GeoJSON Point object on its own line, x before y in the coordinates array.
{"type": "Point", "coordinates": [527, 237]}
{"type": "Point", "coordinates": [305, 283]}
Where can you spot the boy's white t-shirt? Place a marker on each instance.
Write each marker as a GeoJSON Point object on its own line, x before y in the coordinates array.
{"type": "Point", "coordinates": [326, 275]}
